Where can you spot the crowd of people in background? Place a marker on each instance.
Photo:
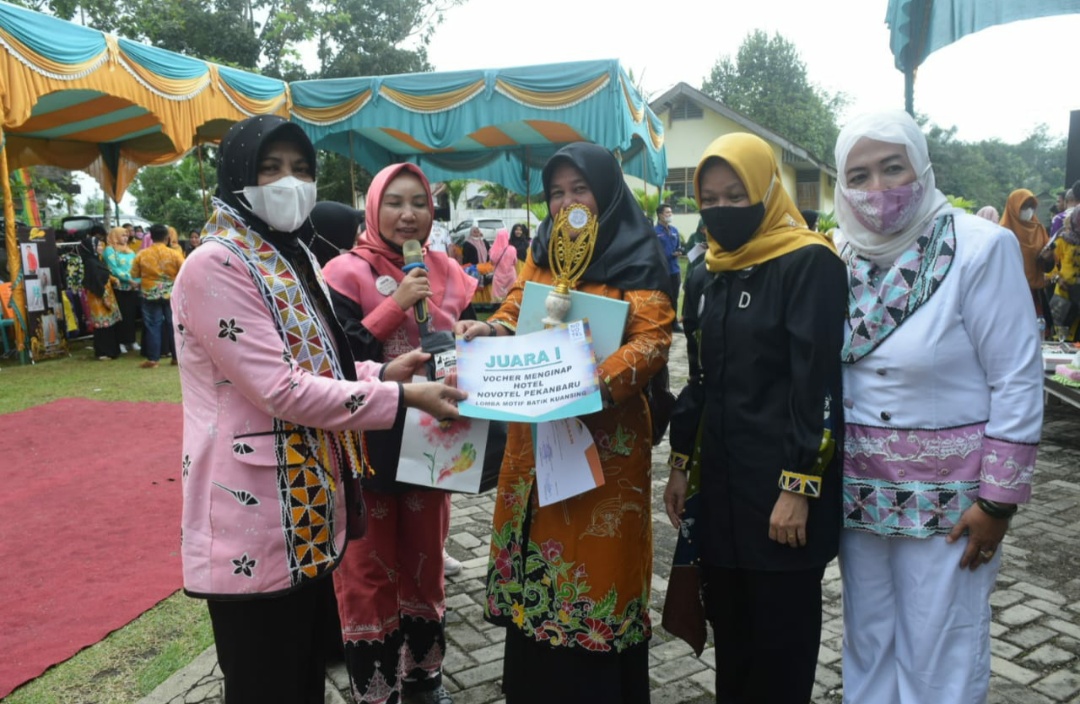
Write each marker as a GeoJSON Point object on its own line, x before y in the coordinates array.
{"type": "Point", "coordinates": [122, 278]}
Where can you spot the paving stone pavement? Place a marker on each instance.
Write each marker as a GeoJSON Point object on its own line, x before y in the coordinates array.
{"type": "Point", "coordinates": [1035, 630]}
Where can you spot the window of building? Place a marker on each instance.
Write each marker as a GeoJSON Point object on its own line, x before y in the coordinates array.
{"type": "Point", "coordinates": [681, 184]}
{"type": "Point", "coordinates": [684, 109]}
{"type": "Point", "coordinates": [808, 189]}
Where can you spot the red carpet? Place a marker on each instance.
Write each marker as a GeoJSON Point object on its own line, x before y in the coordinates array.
{"type": "Point", "coordinates": [89, 525]}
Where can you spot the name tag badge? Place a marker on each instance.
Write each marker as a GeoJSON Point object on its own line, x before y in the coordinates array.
{"type": "Point", "coordinates": [385, 285]}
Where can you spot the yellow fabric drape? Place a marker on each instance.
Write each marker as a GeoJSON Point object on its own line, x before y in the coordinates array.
{"type": "Point", "coordinates": [656, 139]}
{"type": "Point", "coordinates": [244, 103]}
{"type": "Point", "coordinates": [179, 87]}
{"type": "Point", "coordinates": [433, 103]}
{"type": "Point", "coordinates": [782, 229]}
{"type": "Point", "coordinates": [551, 100]}
{"type": "Point", "coordinates": [637, 112]}
{"type": "Point", "coordinates": [334, 113]}
{"type": "Point", "coordinates": [47, 64]}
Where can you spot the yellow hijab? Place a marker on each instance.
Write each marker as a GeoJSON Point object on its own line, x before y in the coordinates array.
{"type": "Point", "coordinates": [782, 230]}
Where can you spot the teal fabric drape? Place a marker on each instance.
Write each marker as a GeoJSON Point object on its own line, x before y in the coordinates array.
{"type": "Point", "coordinates": [251, 84]}
{"type": "Point", "coordinates": [164, 63]}
{"type": "Point", "coordinates": [55, 39]}
{"type": "Point", "coordinates": [480, 124]}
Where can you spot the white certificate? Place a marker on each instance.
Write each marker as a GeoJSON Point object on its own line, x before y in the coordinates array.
{"type": "Point", "coordinates": [567, 463]}
{"type": "Point", "coordinates": [541, 376]}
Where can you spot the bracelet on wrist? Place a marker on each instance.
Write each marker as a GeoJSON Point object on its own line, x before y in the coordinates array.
{"type": "Point", "coordinates": [996, 510]}
{"type": "Point", "coordinates": [491, 329]}
{"type": "Point", "coordinates": [804, 484]}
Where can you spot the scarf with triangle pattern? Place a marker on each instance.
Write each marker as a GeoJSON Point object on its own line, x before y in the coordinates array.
{"type": "Point", "coordinates": [875, 312]}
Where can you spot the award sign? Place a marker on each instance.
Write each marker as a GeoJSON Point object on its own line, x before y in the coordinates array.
{"type": "Point", "coordinates": [542, 376]}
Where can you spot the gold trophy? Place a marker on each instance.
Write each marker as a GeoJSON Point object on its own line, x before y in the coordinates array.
{"type": "Point", "coordinates": [570, 250]}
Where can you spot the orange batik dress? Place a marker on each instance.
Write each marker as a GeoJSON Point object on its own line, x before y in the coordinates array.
{"type": "Point", "coordinates": [576, 574]}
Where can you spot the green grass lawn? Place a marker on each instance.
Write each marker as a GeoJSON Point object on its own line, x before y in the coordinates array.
{"type": "Point", "coordinates": [134, 660]}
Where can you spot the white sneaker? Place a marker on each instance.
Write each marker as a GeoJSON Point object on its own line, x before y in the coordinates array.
{"type": "Point", "coordinates": [123, 349]}
{"type": "Point", "coordinates": [451, 567]}
{"type": "Point", "coordinates": [135, 346]}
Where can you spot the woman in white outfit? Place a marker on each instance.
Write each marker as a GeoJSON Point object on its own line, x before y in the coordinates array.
{"type": "Point", "coordinates": [942, 381]}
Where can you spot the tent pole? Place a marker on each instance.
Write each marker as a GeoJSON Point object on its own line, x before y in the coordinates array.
{"type": "Point", "coordinates": [18, 295]}
{"type": "Point", "coordinates": [909, 91]}
{"type": "Point", "coordinates": [528, 191]}
{"type": "Point", "coordinates": [645, 178]}
{"type": "Point", "coordinates": [202, 182]}
{"type": "Point", "coordinates": [352, 172]}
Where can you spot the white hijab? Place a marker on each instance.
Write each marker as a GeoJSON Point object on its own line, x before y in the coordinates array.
{"type": "Point", "coordinates": [893, 127]}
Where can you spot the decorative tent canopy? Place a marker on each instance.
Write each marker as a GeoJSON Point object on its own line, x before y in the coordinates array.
{"type": "Point", "coordinates": [77, 98]}
{"type": "Point", "coordinates": [498, 125]}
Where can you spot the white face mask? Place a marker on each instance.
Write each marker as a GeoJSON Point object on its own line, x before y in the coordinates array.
{"type": "Point", "coordinates": [284, 204]}
{"type": "Point", "coordinates": [1027, 213]}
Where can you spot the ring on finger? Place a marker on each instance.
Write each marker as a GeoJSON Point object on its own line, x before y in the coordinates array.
{"type": "Point", "coordinates": [986, 554]}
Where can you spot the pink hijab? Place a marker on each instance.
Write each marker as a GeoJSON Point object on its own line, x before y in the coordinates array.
{"type": "Point", "coordinates": [452, 289]}
{"type": "Point", "coordinates": [504, 257]}
{"type": "Point", "coordinates": [989, 212]}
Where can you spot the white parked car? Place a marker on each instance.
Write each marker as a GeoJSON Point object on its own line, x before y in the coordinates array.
{"type": "Point", "coordinates": [488, 226]}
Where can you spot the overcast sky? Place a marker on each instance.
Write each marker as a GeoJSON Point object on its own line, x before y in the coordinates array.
{"type": "Point", "coordinates": [998, 83]}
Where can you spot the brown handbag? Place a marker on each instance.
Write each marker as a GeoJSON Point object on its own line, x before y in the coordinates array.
{"type": "Point", "coordinates": [684, 608]}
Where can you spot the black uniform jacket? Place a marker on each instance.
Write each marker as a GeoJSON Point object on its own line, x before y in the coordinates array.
{"type": "Point", "coordinates": [763, 378]}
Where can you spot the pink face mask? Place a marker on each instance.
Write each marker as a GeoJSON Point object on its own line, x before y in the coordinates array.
{"type": "Point", "coordinates": [886, 212]}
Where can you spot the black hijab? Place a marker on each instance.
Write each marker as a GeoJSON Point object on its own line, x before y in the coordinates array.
{"type": "Point", "coordinates": [95, 272]}
{"type": "Point", "coordinates": [238, 167]}
{"type": "Point", "coordinates": [336, 227]}
{"type": "Point", "coordinates": [628, 255]}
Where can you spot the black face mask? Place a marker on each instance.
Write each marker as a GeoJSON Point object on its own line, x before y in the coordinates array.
{"type": "Point", "coordinates": [733, 227]}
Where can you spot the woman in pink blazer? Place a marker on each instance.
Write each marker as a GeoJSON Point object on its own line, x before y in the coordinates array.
{"type": "Point", "coordinates": [274, 407]}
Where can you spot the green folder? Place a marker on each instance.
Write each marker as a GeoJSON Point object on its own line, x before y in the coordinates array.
{"type": "Point", "coordinates": [606, 316]}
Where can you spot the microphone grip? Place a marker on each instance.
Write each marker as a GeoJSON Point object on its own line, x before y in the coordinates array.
{"type": "Point", "coordinates": [422, 315]}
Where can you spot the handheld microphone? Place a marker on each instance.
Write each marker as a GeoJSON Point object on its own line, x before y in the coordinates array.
{"type": "Point", "coordinates": [414, 258]}
{"type": "Point", "coordinates": [439, 344]}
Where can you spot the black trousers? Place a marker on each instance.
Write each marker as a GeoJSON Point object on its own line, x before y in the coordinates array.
{"type": "Point", "coordinates": [767, 629]}
{"type": "Point", "coordinates": [129, 310]}
{"type": "Point", "coordinates": [675, 288]}
{"type": "Point", "coordinates": [273, 650]}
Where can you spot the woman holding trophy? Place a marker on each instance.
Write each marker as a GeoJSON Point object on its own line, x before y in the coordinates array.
{"type": "Point", "coordinates": [570, 581]}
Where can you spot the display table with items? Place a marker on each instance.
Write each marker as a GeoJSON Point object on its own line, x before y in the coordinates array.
{"type": "Point", "coordinates": [1061, 362]}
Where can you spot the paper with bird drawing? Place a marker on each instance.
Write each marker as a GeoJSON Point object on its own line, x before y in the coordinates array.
{"type": "Point", "coordinates": [442, 455]}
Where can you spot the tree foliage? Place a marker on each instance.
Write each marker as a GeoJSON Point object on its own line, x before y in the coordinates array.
{"type": "Point", "coordinates": [650, 201]}
{"type": "Point", "coordinates": [986, 172]}
{"type": "Point", "coordinates": [499, 196]}
{"type": "Point", "coordinates": [173, 195]}
{"type": "Point", "coordinates": [346, 37]}
{"type": "Point", "coordinates": [766, 81]}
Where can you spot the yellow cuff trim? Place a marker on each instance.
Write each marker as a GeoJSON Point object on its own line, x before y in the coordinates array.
{"type": "Point", "coordinates": [679, 461]}
{"type": "Point", "coordinates": [805, 484]}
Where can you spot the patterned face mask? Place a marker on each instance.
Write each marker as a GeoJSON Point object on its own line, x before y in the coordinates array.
{"type": "Point", "coordinates": [886, 212]}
